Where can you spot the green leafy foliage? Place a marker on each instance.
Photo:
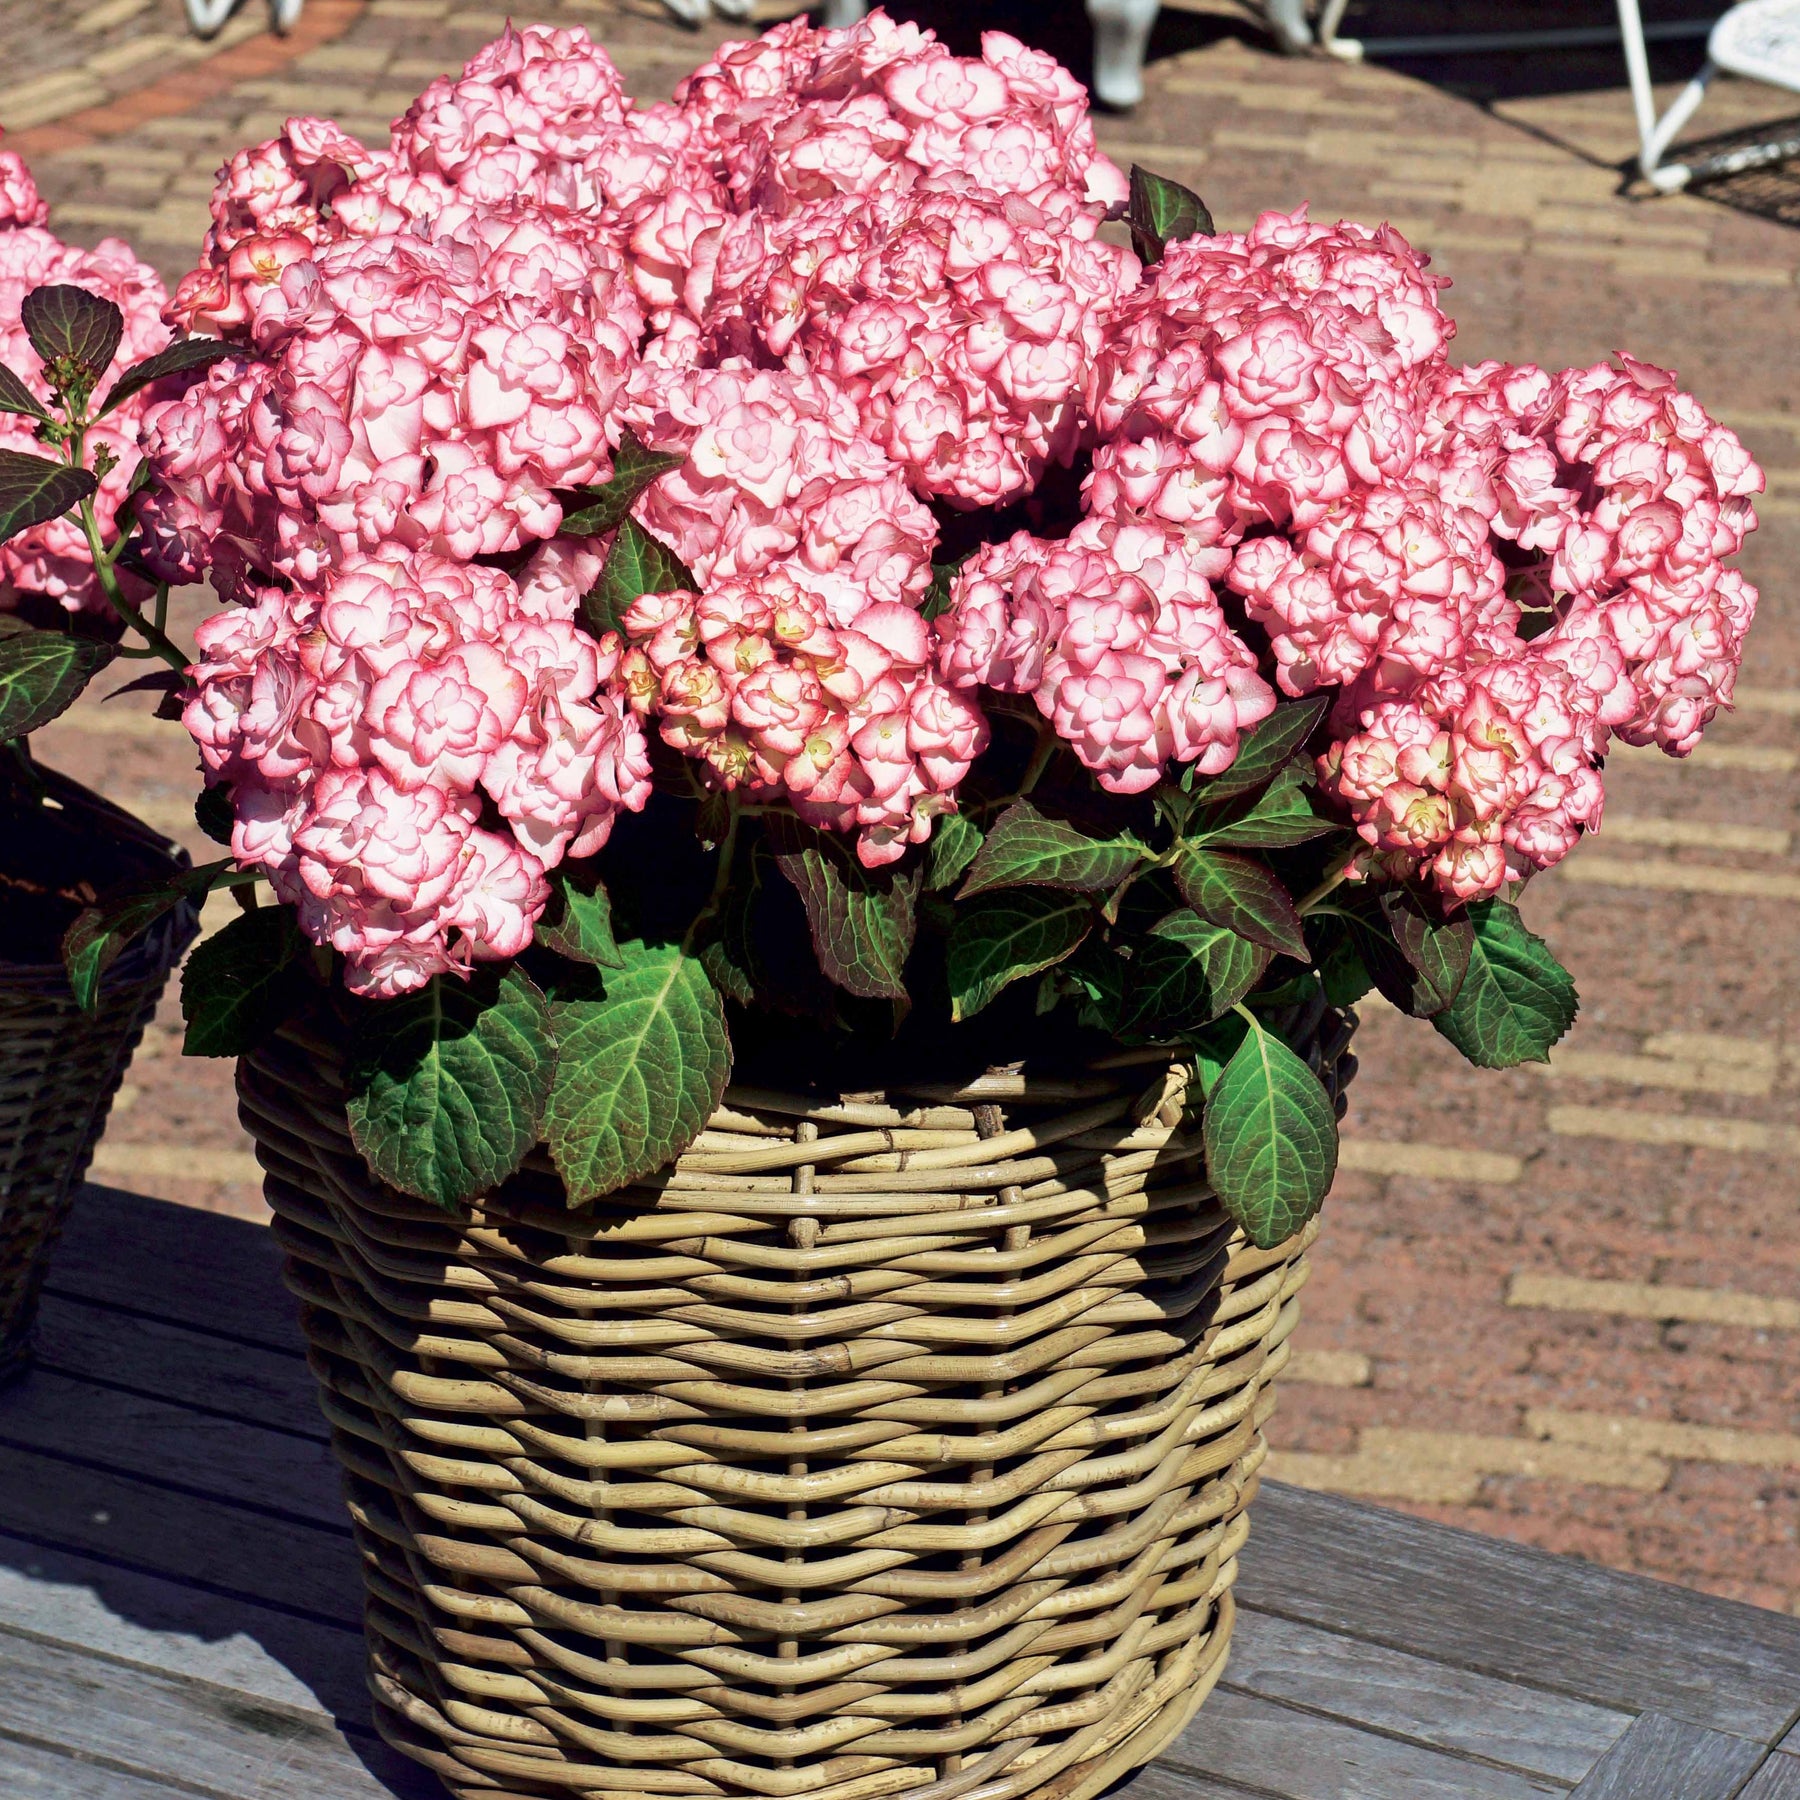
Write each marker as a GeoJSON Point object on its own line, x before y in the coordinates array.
{"type": "Point", "coordinates": [1271, 1139]}
{"type": "Point", "coordinates": [42, 673]}
{"type": "Point", "coordinates": [577, 922]}
{"type": "Point", "coordinates": [937, 595]}
{"type": "Point", "coordinates": [862, 920]}
{"type": "Point", "coordinates": [68, 324]}
{"type": "Point", "coordinates": [602, 507]}
{"type": "Point", "coordinates": [643, 1057]}
{"type": "Point", "coordinates": [1267, 749]}
{"type": "Point", "coordinates": [1516, 999]}
{"type": "Point", "coordinates": [448, 1085]}
{"type": "Point", "coordinates": [1280, 817]}
{"type": "Point", "coordinates": [17, 397]}
{"type": "Point", "coordinates": [636, 564]}
{"type": "Point", "coordinates": [1436, 949]}
{"type": "Point", "coordinates": [1024, 848]}
{"type": "Point", "coordinates": [174, 359]}
{"type": "Point", "coordinates": [726, 943]}
{"type": "Point", "coordinates": [1242, 895]}
{"type": "Point", "coordinates": [34, 489]}
{"type": "Point", "coordinates": [1186, 971]}
{"type": "Point", "coordinates": [237, 983]}
{"type": "Point", "coordinates": [94, 941]}
{"type": "Point", "coordinates": [1342, 971]}
{"type": "Point", "coordinates": [954, 842]}
{"type": "Point", "coordinates": [213, 813]}
{"type": "Point", "coordinates": [1003, 937]}
{"type": "Point", "coordinates": [1161, 212]}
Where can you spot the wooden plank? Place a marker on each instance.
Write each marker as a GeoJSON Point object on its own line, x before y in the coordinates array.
{"type": "Point", "coordinates": [151, 1728]}
{"type": "Point", "coordinates": [1661, 1758]}
{"type": "Point", "coordinates": [1451, 1709]}
{"type": "Point", "coordinates": [1777, 1779]}
{"type": "Point", "coordinates": [32, 1773]}
{"type": "Point", "coordinates": [130, 1616]}
{"type": "Point", "coordinates": [1162, 1782]}
{"type": "Point", "coordinates": [217, 1274]}
{"type": "Point", "coordinates": [1279, 1750]}
{"type": "Point", "coordinates": [177, 1363]}
{"type": "Point", "coordinates": [224, 1459]}
{"type": "Point", "coordinates": [1496, 1608]}
{"type": "Point", "coordinates": [224, 1548]}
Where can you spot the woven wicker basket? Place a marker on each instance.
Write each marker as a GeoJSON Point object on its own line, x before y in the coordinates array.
{"type": "Point", "coordinates": [899, 1444]}
{"type": "Point", "coordinates": [59, 1066]}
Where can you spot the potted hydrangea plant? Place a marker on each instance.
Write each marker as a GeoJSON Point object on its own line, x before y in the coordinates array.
{"type": "Point", "coordinates": [82, 349]}
{"type": "Point", "coordinates": [831, 746]}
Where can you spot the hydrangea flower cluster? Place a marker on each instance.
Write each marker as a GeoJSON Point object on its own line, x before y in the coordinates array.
{"type": "Point", "coordinates": [368, 722]}
{"type": "Point", "coordinates": [53, 559]}
{"type": "Point", "coordinates": [859, 288]}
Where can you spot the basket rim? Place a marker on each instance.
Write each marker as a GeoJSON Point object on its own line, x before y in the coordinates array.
{"type": "Point", "coordinates": [153, 954]}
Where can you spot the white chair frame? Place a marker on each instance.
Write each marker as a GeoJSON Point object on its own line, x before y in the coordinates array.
{"type": "Point", "coordinates": [207, 18]}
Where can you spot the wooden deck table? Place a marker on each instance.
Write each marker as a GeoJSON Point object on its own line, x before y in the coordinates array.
{"type": "Point", "coordinates": [179, 1597]}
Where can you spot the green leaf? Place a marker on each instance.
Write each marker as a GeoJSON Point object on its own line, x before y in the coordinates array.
{"type": "Point", "coordinates": [954, 841]}
{"type": "Point", "coordinates": [937, 595]}
{"type": "Point", "coordinates": [1271, 1139]}
{"type": "Point", "coordinates": [1002, 938]}
{"type": "Point", "coordinates": [1343, 972]}
{"type": "Point", "coordinates": [190, 353]}
{"type": "Point", "coordinates": [1436, 949]}
{"type": "Point", "coordinates": [1281, 817]}
{"type": "Point", "coordinates": [643, 1059]}
{"type": "Point", "coordinates": [1026, 849]}
{"type": "Point", "coordinates": [42, 673]}
{"type": "Point", "coordinates": [1267, 749]}
{"type": "Point", "coordinates": [1243, 895]}
{"type": "Point", "coordinates": [236, 984]}
{"type": "Point", "coordinates": [607, 502]}
{"type": "Point", "coordinates": [1161, 212]}
{"type": "Point", "coordinates": [69, 323]}
{"type": "Point", "coordinates": [726, 943]}
{"type": "Point", "coordinates": [213, 813]}
{"type": "Point", "coordinates": [34, 489]}
{"type": "Point", "coordinates": [862, 920]}
{"type": "Point", "coordinates": [1214, 1046]}
{"type": "Point", "coordinates": [1099, 974]}
{"type": "Point", "coordinates": [16, 397]}
{"type": "Point", "coordinates": [636, 564]}
{"type": "Point", "coordinates": [1186, 971]}
{"type": "Point", "coordinates": [1516, 999]}
{"type": "Point", "coordinates": [577, 922]}
{"type": "Point", "coordinates": [1364, 923]}
{"type": "Point", "coordinates": [94, 941]}
{"type": "Point", "coordinates": [448, 1085]}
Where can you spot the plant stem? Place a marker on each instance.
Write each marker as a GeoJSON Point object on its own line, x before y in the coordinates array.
{"type": "Point", "coordinates": [153, 635]}
{"type": "Point", "coordinates": [1328, 886]}
{"type": "Point", "coordinates": [18, 752]}
{"type": "Point", "coordinates": [1040, 757]}
{"type": "Point", "coordinates": [721, 877]}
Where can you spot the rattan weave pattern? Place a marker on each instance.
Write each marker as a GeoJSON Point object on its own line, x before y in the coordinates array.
{"type": "Point", "coordinates": [60, 1069]}
{"type": "Point", "coordinates": [897, 1445]}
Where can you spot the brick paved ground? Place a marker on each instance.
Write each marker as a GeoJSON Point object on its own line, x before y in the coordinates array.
{"type": "Point", "coordinates": [1560, 1306]}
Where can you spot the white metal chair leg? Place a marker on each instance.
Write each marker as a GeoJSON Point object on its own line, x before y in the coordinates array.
{"type": "Point", "coordinates": [1331, 17]}
{"type": "Point", "coordinates": [284, 15]}
{"type": "Point", "coordinates": [207, 17]}
{"type": "Point", "coordinates": [1121, 36]}
{"type": "Point", "coordinates": [1655, 135]}
{"type": "Point", "coordinates": [1287, 19]}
